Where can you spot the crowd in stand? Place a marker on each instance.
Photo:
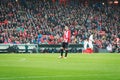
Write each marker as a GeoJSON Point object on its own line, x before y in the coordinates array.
{"type": "Point", "coordinates": [42, 22]}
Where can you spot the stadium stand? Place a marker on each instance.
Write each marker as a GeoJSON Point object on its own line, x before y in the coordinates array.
{"type": "Point", "coordinates": [42, 22]}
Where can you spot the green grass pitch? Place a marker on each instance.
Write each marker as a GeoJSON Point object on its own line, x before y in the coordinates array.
{"type": "Point", "coordinates": [97, 66]}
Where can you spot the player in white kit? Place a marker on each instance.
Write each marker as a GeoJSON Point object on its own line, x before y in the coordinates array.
{"type": "Point", "coordinates": [90, 42]}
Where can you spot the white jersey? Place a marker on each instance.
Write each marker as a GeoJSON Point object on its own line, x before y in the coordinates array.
{"type": "Point", "coordinates": [91, 39]}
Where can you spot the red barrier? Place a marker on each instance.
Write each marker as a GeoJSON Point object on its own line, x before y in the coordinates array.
{"type": "Point", "coordinates": [88, 51]}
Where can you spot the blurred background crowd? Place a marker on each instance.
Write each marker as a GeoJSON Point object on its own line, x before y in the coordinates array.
{"type": "Point", "coordinates": [43, 21]}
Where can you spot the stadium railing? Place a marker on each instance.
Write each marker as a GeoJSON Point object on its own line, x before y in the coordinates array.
{"type": "Point", "coordinates": [39, 48]}
{"type": "Point", "coordinates": [55, 48]}
{"type": "Point", "coordinates": [18, 48]}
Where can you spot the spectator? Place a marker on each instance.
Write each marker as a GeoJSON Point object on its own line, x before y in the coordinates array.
{"type": "Point", "coordinates": [109, 48]}
{"type": "Point", "coordinates": [29, 23]}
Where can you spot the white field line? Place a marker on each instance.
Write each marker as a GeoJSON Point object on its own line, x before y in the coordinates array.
{"type": "Point", "coordinates": [22, 59]}
{"type": "Point", "coordinates": [59, 76]}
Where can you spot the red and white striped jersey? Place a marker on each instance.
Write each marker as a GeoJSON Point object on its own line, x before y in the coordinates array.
{"type": "Point", "coordinates": [67, 35]}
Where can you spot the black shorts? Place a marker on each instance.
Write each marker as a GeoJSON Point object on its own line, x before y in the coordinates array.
{"type": "Point", "coordinates": [65, 45]}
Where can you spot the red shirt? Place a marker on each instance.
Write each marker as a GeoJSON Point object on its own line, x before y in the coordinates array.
{"type": "Point", "coordinates": [67, 35]}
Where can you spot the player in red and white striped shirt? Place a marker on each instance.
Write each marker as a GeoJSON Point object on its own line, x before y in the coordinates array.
{"type": "Point", "coordinates": [66, 40]}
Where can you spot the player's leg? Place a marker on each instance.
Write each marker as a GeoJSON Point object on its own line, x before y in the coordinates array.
{"type": "Point", "coordinates": [66, 49]}
{"type": "Point", "coordinates": [61, 50]}
{"type": "Point", "coordinates": [66, 52]}
{"type": "Point", "coordinates": [85, 44]}
{"type": "Point", "coordinates": [91, 46]}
